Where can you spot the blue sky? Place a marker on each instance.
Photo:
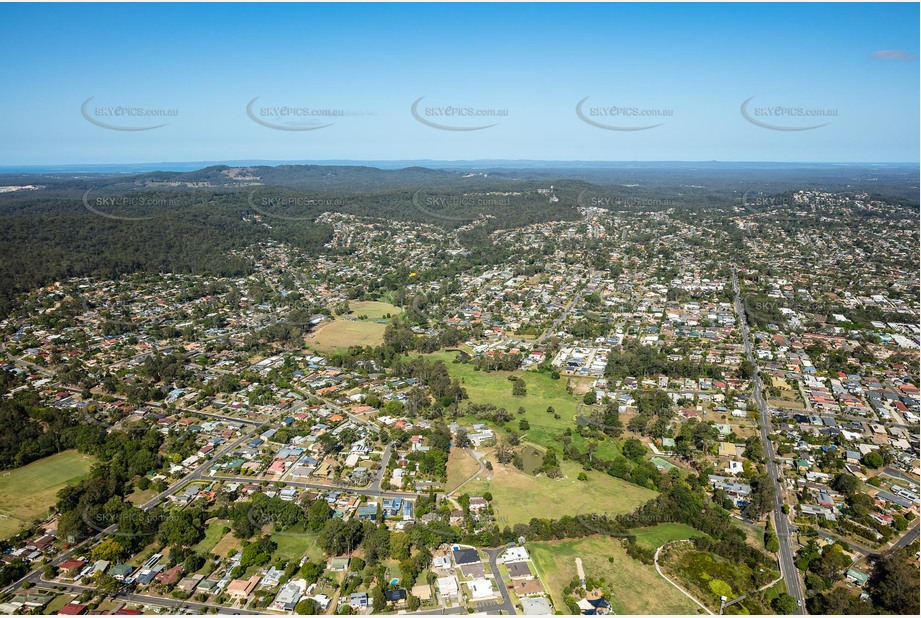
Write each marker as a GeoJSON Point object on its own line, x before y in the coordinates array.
{"type": "Point", "coordinates": [856, 63]}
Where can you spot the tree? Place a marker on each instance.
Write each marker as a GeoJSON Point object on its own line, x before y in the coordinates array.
{"type": "Point", "coordinates": [180, 529]}
{"type": "Point", "coordinates": [307, 607]}
{"type": "Point", "coordinates": [440, 438]}
{"type": "Point", "coordinates": [338, 537]}
{"type": "Point", "coordinates": [519, 389]}
{"type": "Point", "coordinates": [761, 499]}
{"type": "Point", "coordinates": [110, 549]}
{"type": "Point", "coordinates": [399, 546]}
{"type": "Point", "coordinates": [550, 465]}
{"type": "Point", "coordinates": [524, 425]}
{"type": "Point", "coordinates": [771, 542]}
{"type": "Point", "coordinates": [504, 452]}
{"type": "Point", "coordinates": [746, 369]}
{"type": "Point", "coordinates": [611, 420]}
{"type": "Point", "coordinates": [318, 514]}
{"type": "Point", "coordinates": [412, 603]}
{"type": "Point", "coordinates": [784, 604]}
{"type": "Point", "coordinates": [873, 460]}
{"type": "Point", "coordinates": [107, 584]}
{"type": "Point", "coordinates": [895, 582]}
{"type": "Point", "coordinates": [378, 599]}
{"type": "Point", "coordinates": [589, 398]}
{"type": "Point", "coordinates": [311, 571]}
{"type": "Point", "coordinates": [633, 449]}
{"type": "Point", "coordinates": [376, 545]}
{"type": "Point", "coordinates": [590, 447]}
{"type": "Point", "coordinates": [846, 483]}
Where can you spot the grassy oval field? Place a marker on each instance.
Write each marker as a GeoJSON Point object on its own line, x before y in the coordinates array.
{"type": "Point", "coordinates": [26, 493]}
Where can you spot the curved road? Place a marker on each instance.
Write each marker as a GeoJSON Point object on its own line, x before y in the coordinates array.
{"type": "Point", "coordinates": [506, 606]}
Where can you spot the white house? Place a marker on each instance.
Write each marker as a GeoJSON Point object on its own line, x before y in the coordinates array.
{"type": "Point", "coordinates": [447, 586]}
{"type": "Point", "coordinates": [514, 554]}
{"type": "Point", "coordinates": [481, 588]}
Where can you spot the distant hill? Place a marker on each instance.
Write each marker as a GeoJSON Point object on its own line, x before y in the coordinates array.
{"type": "Point", "coordinates": [64, 224]}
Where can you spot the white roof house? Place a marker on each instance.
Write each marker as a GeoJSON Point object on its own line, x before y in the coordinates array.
{"type": "Point", "coordinates": [537, 606]}
{"type": "Point", "coordinates": [481, 588]}
{"type": "Point", "coordinates": [447, 586]}
{"type": "Point", "coordinates": [514, 554]}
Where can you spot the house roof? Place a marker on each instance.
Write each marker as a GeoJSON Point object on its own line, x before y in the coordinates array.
{"type": "Point", "coordinates": [465, 556]}
{"type": "Point", "coordinates": [72, 609]}
{"type": "Point", "coordinates": [518, 569]}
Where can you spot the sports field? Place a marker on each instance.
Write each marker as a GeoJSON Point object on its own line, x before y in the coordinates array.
{"type": "Point", "coordinates": [635, 588]}
{"type": "Point", "coordinates": [26, 493]}
{"type": "Point", "coordinates": [338, 333]}
{"type": "Point", "coordinates": [373, 310]}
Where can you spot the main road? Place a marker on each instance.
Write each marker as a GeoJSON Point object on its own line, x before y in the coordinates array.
{"type": "Point", "coordinates": [781, 523]}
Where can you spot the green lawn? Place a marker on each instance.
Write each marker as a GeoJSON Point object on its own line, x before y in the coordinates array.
{"type": "Point", "coordinates": [633, 587]}
{"type": "Point", "coordinates": [658, 535]}
{"type": "Point", "coordinates": [294, 544]}
{"type": "Point", "coordinates": [543, 392]}
{"type": "Point", "coordinates": [373, 310]}
{"type": "Point", "coordinates": [517, 496]}
{"type": "Point", "coordinates": [215, 531]}
{"type": "Point", "coordinates": [26, 493]}
{"type": "Point", "coordinates": [55, 606]}
{"type": "Point", "coordinates": [775, 591]}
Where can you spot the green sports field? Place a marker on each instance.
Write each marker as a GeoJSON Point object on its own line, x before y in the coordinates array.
{"type": "Point", "coordinates": [26, 493]}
